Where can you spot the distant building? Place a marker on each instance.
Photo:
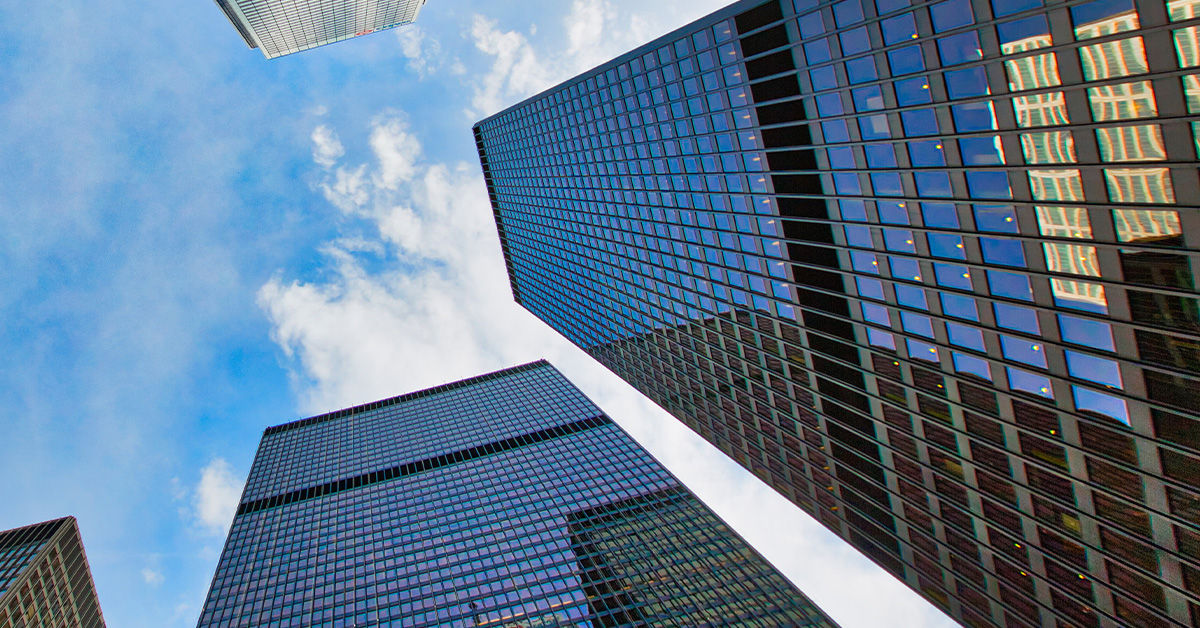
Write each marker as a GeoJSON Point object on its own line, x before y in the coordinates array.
{"type": "Point", "coordinates": [926, 268]}
{"type": "Point", "coordinates": [507, 499]}
{"type": "Point", "coordinates": [282, 27]}
{"type": "Point", "coordinates": [45, 579]}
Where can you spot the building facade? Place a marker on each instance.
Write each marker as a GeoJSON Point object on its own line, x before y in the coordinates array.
{"type": "Point", "coordinates": [45, 579]}
{"type": "Point", "coordinates": [507, 499]}
{"type": "Point", "coordinates": [282, 27]}
{"type": "Point", "coordinates": [926, 268]}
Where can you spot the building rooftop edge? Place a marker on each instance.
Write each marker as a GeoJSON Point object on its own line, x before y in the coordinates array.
{"type": "Point", "coordinates": [720, 14]}
{"type": "Point", "coordinates": [416, 394]}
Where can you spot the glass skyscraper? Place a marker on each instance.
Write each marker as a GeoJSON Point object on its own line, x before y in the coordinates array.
{"type": "Point", "coordinates": [926, 268]}
{"type": "Point", "coordinates": [507, 499]}
{"type": "Point", "coordinates": [45, 579]}
{"type": "Point", "coordinates": [282, 27]}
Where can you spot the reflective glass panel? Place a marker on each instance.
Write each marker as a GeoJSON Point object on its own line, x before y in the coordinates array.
{"type": "Point", "coordinates": [1087, 332]}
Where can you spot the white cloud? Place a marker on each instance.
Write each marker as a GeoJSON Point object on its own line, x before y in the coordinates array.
{"type": "Point", "coordinates": [424, 53]}
{"type": "Point", "coordinates": [216, 497]}
{"type": "Point", "coordinates": [152, 577]}
{"type": "Point", "coordinates": [396, 149]}
{"type": "Point", "coordinates": [327, 148]}
{"type": "Point", "coordinates": [516, 71]}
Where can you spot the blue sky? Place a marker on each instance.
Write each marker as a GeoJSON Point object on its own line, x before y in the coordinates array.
{"type": "Point", "coordinates": [198, 243]}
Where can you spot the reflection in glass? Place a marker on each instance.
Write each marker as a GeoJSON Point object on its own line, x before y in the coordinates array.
{"type": "Point", "coordinates": [1094, 368]}
{"type": "Point", "coordinates": [1183, 9]}
{"type": "Point", "coordinates": [1048, 147]}
{"type": "Point", "coordinates": [1147, 225]}
{"type": "Point", "coordinates": [971, 365]}
{"type": "Point", "coordinates": [1056, 185]}
{"type": "Point", "coordinates": [1143, 142]}
{"type": "Point", "coordinates": [1064, 222]}
{"type": "Point", "coordinates": [1123, 101]}
{"type": "Point", "coordinates": [1087, 332]}
{"type": "Point", "coordinates": [1087, 400]}
{"type": "Point", "coordinates": [1140, 185]}
{"type": "Point", "coordinates": [1028, 382]}
{"type": "Point", "coordinates": [1103, 17]}
{"type": "Point", "coordinates": [1079, 295]}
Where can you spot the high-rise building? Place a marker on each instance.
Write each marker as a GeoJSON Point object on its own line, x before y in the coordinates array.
{"type": "Point", "coordinates": [507, 499]}
{"type": "Point", "coordinates": [45, 579]}
{"type": "Point", "coordinates": [926, 268]}
{"type": "Point", "coordinates": [282, 27]}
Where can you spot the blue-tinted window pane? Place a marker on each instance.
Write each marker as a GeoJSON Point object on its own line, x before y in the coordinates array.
{"type": "Point", "coordinates": [922, 350]}
{"type": "Point", "coordinates": [887, 6]}
{"type": "Point", "coordinates": [971, 365]}
{"type": "Point", "coordinates": [964, 336]}
{"type": "Point", "coordinates": [869, 288]}
{"type": "Point", "coordinates": [913, 91]}
{"type": "Point", "coordinates": [926, 153]}
{"type": "Point", "coordinates": [1024, 28]}
{"type": "Point", "coordinates": [906, 60]}
{"type": "Point", "coordinates": [1030, 383]}
{"type": "Point", "coordinates": [919, 122]}
{"type": "Point", "coordinates": [892, 212]}
{"type": "Point", "coordinates": [881, 338]}
{"type": "Point", "coordinates": [951, 14]}
{"type": "Point", "coordinates": [817, 51]}
{"type": "Point", "coordinates": [952, 276]}
{"type": "Point", "coordinates": [852, 209]}
{"type": "Point", "coordinates": [905, 268]}
{"type": "Point", "coordinates": [946, 245]}
{"type": "Point", "coordinates": [868, 98]}
{"type": "Point", "coordinates": [823, 78]}
{"type": "Point", "coordinates": [933, 184]}
{"type": "Point", "coordinates": [1002, 252]}
{"type": "Point", "coordinates": [966, 83]}
{"type": "Point", "coordinates": [876, 314]}
{"type": "Point", "coordinates": [959, 306]}
{"type": "Point", "coordinates": [1008, 7]}
{"type": "Point", "coordinates": [829, 104]}
{"type": "Point", "coordinates": [880, 156]}
{"type": "Point", "coordinates": [1011, 285]}
{"type": "Point", "coordinates": [811, 25]}
{"type": "Point", "coordinates": [864, 262]}
{"type": "Point", "coordinates": [1018, 318]}
{"type": "Point", "coordinates": [1092, 401]}
{"type": "Point", "coordinates": [1090, 333]}
{"type": "Point", "coordinates": [996, 218]}
{"type": "Point", "coordinates": [1091, 12]}
{"type": "Point", "coordinates": [874, 127]}
{"type": "Point", "coordinates": [857, 235]}
{"type": "Point", "coordinates": [887, 184]}
{"type": "Point", "coordinates": [898, 29]}
{"type": "Point", "coordinates": [847, 13]}
{"type": "Point", "coordinates": [835, 131]}
{"type": "Point", "coordinates": [1094, 368]}
{"type": "Point", "coordinates": [899, 240]}
{"type": "Point", "coordinates": [910, 296]}
{"type": "Point", "coordinates": [960, 48]}
{"type": "Point", "coordinates": [980, 151]}
{"type": "Point", "coordinates": [855, 40]}
{"type": "Point", "coordinates": [988, 184]}
{"type": "Point", "coordinates": [974, 116]}
{"type": "Point", "coordinates": [841, 158]}
{"type": "Point", "coordinates": [942, 215]}
{"type": "Point", "coordinates": [1021, 350]}
{"type": "Point", "coordinates": [861, 70]}
{"type": "Point", "coordinates": [917, 324]}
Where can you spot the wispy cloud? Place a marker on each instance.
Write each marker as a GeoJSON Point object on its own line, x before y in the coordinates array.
{"type": "Point", "coordinates": [327, 148]}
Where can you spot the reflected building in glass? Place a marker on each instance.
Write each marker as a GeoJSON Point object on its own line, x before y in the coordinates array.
{"type": "Point", "coordinates": [507, 499]}
{"type": "Point", "coordinates": [283, 27]}
{"type": "Point", "coordinates": [927, 269]}
{"type": "Point", "coordinates": [45, 579]}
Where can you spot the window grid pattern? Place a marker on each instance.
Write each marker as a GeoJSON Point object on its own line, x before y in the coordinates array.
{"type": "Point", "coordinates": [45, 579]}
{"type": "Point", "coordinates": [281, 27]}
{"type": "Point", "coordinates": [922, 268]}
{"type": "Point", "coordinates": [583, 528]}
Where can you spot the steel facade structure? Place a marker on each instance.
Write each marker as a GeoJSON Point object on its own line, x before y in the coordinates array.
{"type": "Point", "coordinates": [926, 268]}
{"type": "Point", "coordinates": [45, 579]}
{"type": "Point", "coordinates": [507, 499]}
{"type": "Point", "coordinates": [282, 27]}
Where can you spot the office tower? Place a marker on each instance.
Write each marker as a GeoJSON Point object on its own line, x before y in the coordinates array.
{"type": "Point", "coordinates": [45, 579]}
{"type": "Point", "coordinates": [507, 499]}
{"type": "Point", "coordinates": [926, 268]}
{"type": "Point", "coordinates": [281, 27]}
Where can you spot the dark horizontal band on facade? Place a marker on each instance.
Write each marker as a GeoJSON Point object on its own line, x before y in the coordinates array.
{"type": "Point", "coordinates": [375, 405]}
{"type": "Point", "coordinates": [420, 466]}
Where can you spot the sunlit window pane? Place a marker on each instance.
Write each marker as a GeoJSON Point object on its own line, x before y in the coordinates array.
{"type": "Point", "coordinates": [1143, 142]}
{"type": "Point", "coordinates": [1146, 225]}
{"type": "Point", "coordinates": [1123, 101]}
{"type": "Point", "coordinates": [1140, 185]}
